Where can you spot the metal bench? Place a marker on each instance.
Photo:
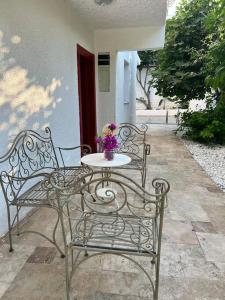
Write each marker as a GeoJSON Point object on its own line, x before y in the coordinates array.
{"type": "Point", "coordinates": [24, 177]}
{"type": "Point", "coordinates": [132, 142]}
{"type": "Point", "coordinates": [127, 221]}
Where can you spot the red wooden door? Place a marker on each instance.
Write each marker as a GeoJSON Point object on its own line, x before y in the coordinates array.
{"type": "Point", "coordinates": [87, 101]}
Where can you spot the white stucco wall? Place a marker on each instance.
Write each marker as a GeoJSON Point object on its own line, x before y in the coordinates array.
{"type": "Point", "coordinates": [126, 112]}
{"type": "Point", "coordinates": [38, 71]}
{"type": "Point", "coordinates": [105, 101]}
{"type": "Point", "coordinates": [123, 39]}
{"type": "Point", "coordinates": [114, 41]}
{"type": "Point", "coordinates": [195, 105]}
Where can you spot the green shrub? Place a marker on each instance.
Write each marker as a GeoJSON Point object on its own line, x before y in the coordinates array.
{"type": "Point", "coordinates": [206, 126]}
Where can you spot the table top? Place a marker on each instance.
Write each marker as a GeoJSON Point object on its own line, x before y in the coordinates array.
{"type": "Point", "coordinates": [98, 160]}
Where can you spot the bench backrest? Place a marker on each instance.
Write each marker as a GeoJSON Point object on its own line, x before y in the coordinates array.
{"type": "Point", "coordinates": [29, 154]}
{"type": "Point", "coordinates": [131, 138]}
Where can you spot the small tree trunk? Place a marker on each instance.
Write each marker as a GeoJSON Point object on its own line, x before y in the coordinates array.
{"type": "Point", "coordinates": [145, 87]}
{"type": "Point", "coordinates": [148, 95]}
{"type": "Point", "coordinates": [149, 106]}
{"type": "Point", "coordinates": [143, 101]}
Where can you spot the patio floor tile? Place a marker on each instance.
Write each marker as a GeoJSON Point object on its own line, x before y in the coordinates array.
{"type": "Point", "coordinates": [37, 281]}
{"type": "Point", "coordinates": [106, 296]}
{"type": "Point", "coordinates": [203, 227]}
{"type": "Point", "coordinates": [217, 217]}
{"type": "Point", "coordinates": [179, 232]}
{"type": "Point", "coordinates": [213, 246]}
{"type": "Point", "coordinates": [193, 246]}
{"type": "Point", "coordinates": [122, 283]}
{"type": "Point", "coordinates": [187, 207]}
{"type": "Point", "coordinates": [3, 288]}
{"type": "Point", "coordinates": [201, 289]}
{"type": "Point", "coordinates": [42, 255]}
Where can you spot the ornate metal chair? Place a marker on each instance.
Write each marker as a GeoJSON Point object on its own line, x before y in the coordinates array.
{"type": "Point", "coordinates": [127, 221]}
{"type": "Point", "coordinates": [132, 141]}
{"type": "Point", "coordinates": [25, 170]}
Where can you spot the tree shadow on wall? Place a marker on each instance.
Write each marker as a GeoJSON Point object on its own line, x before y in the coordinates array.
{"type": "Point", "coordinates": [23, 104]}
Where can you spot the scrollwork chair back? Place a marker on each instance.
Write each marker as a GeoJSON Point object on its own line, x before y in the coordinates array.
{"type": "Point", "coordinates": [132, 142]}
{"type": "Point", "coordinates": [115, 216]}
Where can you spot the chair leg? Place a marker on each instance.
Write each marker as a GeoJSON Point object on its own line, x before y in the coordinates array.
{"type": "Point", "coordinates": [153, 259]}
{"type": "Point", "coordinates": [157, 280]}
{"type": "Point", "coordinates": [17, 221]}
{"type": "Point", "coordinates": [67, 275]}
{"type": "Point", "coordinates": [154, 240]}
{"type": "Point", "coordinates": [10, 229]}
{"type": "Point", "coordinates": [70, 224]}
{"type": "Point", "coordinates": [65, 251]}
{"type": "Point", "coordinates": [54, 236]}
{"type": "Point", "coordinates": [143, 177]}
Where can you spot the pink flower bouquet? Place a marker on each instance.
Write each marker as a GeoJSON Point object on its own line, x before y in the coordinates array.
{"type": "Point", "coordinates": [108, 142]}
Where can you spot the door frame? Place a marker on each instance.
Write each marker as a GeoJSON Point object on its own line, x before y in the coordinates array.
{"type": "Point", "coordinates": [91, 58]}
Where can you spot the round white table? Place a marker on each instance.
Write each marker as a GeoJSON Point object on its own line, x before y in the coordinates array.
{"type": "Point", "coordinates": [98, 160]}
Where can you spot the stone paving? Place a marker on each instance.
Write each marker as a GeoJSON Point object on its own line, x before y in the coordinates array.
{"type": "Point", "coordinates": [193, 249]}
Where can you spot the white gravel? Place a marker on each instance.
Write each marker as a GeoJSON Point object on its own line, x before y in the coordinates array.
{"type": "Point", "coordinates": [212, 160]}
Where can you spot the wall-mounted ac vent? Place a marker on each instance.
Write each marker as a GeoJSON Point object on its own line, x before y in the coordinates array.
{"type": "Point", "coordinates": [104, 59]}
{"type": "Point", "coordinates": [104, 72]}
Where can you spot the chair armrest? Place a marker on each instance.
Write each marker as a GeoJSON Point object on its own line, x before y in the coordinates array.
{"type": "Point", "coordinates": [22, 185]}
{"type": "Point", "coordinates": [33, 176]}
{"type": "Point", "coordinates": [86, 148]}
{"type": "Point", "coordinates": [147, 149]}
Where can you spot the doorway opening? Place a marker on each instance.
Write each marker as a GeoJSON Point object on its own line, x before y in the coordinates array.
{"type": "Point", "coordinates": [87, 99]}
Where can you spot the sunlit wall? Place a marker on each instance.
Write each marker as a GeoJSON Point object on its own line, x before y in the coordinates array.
{"type": "Point", "coordinates": [38, 71]}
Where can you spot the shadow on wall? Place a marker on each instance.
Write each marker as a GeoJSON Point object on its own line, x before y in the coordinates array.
{"type": "Point", "coordinates": [23, 103]}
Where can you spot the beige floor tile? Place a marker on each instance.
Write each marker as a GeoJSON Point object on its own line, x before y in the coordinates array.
{"type": "Point", "coordinates": [123, 283]}
{"type": "Point", "coordinates": [217, 217]}
{"type": "Point", "coordinates": [38, 281]}
{"type": "Point", "coordinates": [3, 288]}
{"type": "Point", "coordinates": [192, 262]}
{"type": "Point", "coordinates": [203, 227]}
{"type": "Point", "coordinates": [179, 232]}
{"type": "Point", "coordinates": [213, 246]}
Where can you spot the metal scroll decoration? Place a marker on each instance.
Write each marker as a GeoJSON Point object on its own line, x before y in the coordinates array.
{"type": "Point", "coordinates": [131, 138]}
{"type": "Point", "coordinates": [115, 216]}
{"type": "Point", "coordinates": [29, 154]}
{"type": "Point", "coordinates": [125, 214]}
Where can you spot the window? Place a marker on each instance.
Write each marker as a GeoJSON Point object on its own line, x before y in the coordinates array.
{"type": "Point", "coordinates": [104, 72]}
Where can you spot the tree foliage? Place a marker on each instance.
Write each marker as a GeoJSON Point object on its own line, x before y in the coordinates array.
{"type": "Point", "coordinates": [192, 66]}
{"type": "Point", "coordinates": [216, 55]}
{"type": "Point", "coordinates": [208, 126]}
{"type": "Point", "coordinates": [180, 74]}
{"type": "Point", "coordinates": [147, 58]}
